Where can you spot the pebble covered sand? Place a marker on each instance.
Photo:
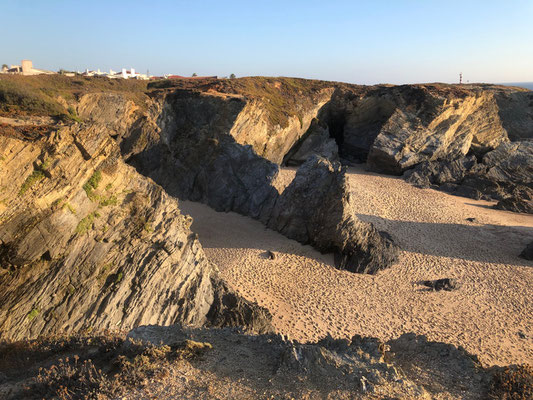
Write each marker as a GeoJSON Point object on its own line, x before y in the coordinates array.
{"type": "Point", "coordinates": [491, 314]}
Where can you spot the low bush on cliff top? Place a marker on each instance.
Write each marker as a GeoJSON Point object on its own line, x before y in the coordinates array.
{"type": "Point", "coordinates": [283, 97]}
{"type": "Point", "coordinates": [85, 367]}
{"type": "Point", "coordinates": [15, 99]}
{"type": "Point", "coordinates": [38, 95]}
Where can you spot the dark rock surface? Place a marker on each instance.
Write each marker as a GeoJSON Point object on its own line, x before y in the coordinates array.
{"type": "Point", "coordinates": [504, 174]}
{"type": "Point", "coordinates": [447, 284]}
{"type": "Point", "coordinates": [520, 200]}
{"type": "Point", "coordinates": [316, 141]}
{"type": "Point", "coordinates": [316, 209]}
{"type": "Point", "coordinates": [510, 162]}
{"type": "Point", "coordinates": [202, 162]}
{"type": "Point", "coordinates": [527, 253]}
{"type": "Point", "coordinates": [196, 158]}
{"type": "Point", "coordinates": [440, 172]}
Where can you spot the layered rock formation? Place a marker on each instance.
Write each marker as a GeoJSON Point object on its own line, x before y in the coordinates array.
{"type": "Point", "coordinates": [442, 127]}
{"type": "Point", "coordinates": [70, 205]}
{"type": "Point", "coordinates": [504, 174]}
{"type": "Point", "coordinates": [393, 128]}
{"type": "Point", "coordinates": [201, 161]}
{"type": "Point", "coordinates": [88, 243]}
{"type": "Point", "coordinates": [316, 208]}
{"type": "Point", "coordinates": [194, 156]}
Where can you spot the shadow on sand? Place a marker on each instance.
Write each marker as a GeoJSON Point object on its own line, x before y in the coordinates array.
{"type": "Point", "coordinates": [470, 241]}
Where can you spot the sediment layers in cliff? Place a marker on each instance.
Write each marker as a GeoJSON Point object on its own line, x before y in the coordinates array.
{"type": "Point", "coordinates": [86, 242]}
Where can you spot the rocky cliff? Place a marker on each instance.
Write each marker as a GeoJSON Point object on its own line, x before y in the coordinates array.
{"type": "Point", "coordinates": [88, 243]}
{"type": "Point", "coordinates": [80, 227]}
{"type": "Point", "coordinates": [395, 129]}
{"type": "Point", "coordinates": [194, 155]}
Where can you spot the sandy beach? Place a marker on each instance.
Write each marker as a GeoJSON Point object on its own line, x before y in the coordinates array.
{"type": "Point", "coordinates": [490, 314]}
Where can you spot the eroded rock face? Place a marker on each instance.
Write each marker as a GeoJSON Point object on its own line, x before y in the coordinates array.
{"type": "Point", "coordinates": [511, 162]}
{"type": "Point", "coordinates": [440, 128]}
{"type": "Point", "coordinates": [440, 172]}
{"type": "Point", "coordinates": [516, 112]}
{"type": "Point", "coordinates": [88, 243]}
{"type": "Point", "coordinates": [316, 209]}
{"type": "Point", "coordinates": [273, 142]}
{"type": "Point", "coordinates": [505, 174]}
{"type": "Point", "coordinates": [316, 141]}
{"type": "Point", "coordinates": [195, 157]}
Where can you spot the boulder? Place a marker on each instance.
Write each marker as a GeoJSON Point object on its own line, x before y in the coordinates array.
{"type": "Point", "coordinates": [505, 175]}
{"type": "Point", "coordinates": [447, 284]}
{"type": "Point", "coordinates": [520, 200]}
{"type": "Point", "coordinates": [440, 172]}
{"type": "Point", "coordinates": [316, 209]}
{"type": "Point", "coordinates": [511, 163]}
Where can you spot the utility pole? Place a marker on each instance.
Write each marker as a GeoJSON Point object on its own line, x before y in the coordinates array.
{"type": "Point", "coordinates": [460, 78]}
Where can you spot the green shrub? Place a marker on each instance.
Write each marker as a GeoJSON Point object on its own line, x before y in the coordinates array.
{"type": "Point", "coordinates": [73, 115]}
{"type": "Point", "coordinates": [15, 98]}
{"type": "Point", "coordinates": [86, 224]}
{"type": "Point", "coordinates": [110, 201]}
{"type": "Point", "coordinates": [33, 313]}
{"type": "Point", "coordinates": [36, 176]}
{"type": "Point", "coordinates": [92, 184]}
{"type": "Point", "coordinates": [38, 95]}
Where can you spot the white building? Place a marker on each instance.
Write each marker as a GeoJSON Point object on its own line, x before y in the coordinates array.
{"type": "Point", "coordinates": [26, 68]}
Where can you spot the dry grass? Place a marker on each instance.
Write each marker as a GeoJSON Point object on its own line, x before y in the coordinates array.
{"type": "Point", "coordinates": [83, 367]}
{"type": "Point", "coordinates": [282, 97]}
{"type": "Point", "coordinates": [38, 95]}
{"type": "Point", "coordinates": [25, 132]}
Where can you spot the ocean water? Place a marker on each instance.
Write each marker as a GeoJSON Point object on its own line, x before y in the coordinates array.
{"type": "Point", "coordinates": [527, 85]}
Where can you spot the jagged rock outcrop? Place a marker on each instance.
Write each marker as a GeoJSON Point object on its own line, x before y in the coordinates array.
{"type": "Point", "coordinates": [394, 128]}
{"type": "Point", "coordinates": [519, 200]}
{"type": "Point", "coordinates": [202, 162]}
{"type": "Point", "coordinates": [440, 172]}
{"type": "Point", "coordinates": [195, 157]}
{"type": "Point", "coordinates": [270, 114]}
{"type": "Point", "coordinates": [88, 243]}
{"type": "Point", "coordinates": [505, 174]}
{"type": "Point", "coordinates": [515, 107]}
{"type": "Point", "coordinates": [511, 162]}
{"type": "Point", "coordinates": [410, 367]}
{"type": "Point", "coordinates": [316, 209]}
{"type": "Point", "coordinates": [272, 141]}
{"type": "Point", "coordinates": [437, 126]}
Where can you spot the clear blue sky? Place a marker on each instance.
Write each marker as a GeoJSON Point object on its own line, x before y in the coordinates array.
{"type": "Point", "coordinates": [354, 41]}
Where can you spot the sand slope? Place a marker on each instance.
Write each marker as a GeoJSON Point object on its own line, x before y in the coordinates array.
{"type": "Point", "coordinates": [490, 315]}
